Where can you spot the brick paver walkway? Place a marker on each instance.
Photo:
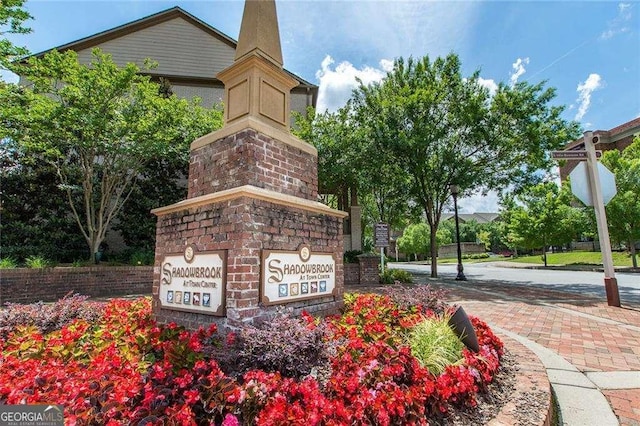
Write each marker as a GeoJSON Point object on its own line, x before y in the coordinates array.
{"type": "Point", "coordinates": [585, 331]}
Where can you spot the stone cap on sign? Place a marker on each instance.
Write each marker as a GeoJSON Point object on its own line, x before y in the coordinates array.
{"type": "Point", "coordinates": [251, 191]}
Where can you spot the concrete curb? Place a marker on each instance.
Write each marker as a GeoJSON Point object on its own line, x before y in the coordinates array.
{"type": "Point", "coordinates": [579, 399]}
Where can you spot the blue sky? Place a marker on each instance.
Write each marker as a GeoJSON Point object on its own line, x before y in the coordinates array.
{"type": "Point", "coordinates": [589, 51]}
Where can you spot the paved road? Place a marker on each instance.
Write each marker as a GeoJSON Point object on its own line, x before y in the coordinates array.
{"type": "Point", "coordinates": [580, 282]}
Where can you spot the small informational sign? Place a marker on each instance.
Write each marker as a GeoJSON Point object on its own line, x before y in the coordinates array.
{"type": "Point", "coordinates": [381, 234]}
{"type": "Point", "coordinates": [290, 276]}
{"type": "Point", "coordinates": [194, 282]}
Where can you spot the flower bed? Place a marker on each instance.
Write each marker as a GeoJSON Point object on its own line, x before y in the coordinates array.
{"type": "Point", "coordinates": [122, 368]}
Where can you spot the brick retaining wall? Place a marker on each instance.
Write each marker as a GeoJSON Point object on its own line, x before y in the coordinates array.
{"type": "Point", "coordinates": [23, 285]}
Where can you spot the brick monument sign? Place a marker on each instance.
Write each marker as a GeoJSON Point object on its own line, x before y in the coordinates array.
{"type": "Point", "coordinates": [251, 235]}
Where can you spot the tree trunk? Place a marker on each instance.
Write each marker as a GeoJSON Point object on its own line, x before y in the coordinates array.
{"type": "Point", "coordinates": [632, 252]}
{"type": "Point", "coordinates": [434, 251]}
{"type": "Point", "coordinates": [544, 252]}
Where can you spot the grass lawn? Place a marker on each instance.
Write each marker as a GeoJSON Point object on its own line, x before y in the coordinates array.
{"type": "Point", "coordinates": [570, 258]}
{"type": "Point", "coordinates": [575, 258]}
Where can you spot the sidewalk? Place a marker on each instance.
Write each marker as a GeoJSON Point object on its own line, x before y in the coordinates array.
{"type": "Point", "coordinates": [591, 351]}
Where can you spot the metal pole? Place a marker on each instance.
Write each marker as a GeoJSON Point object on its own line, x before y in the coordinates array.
{"type": "Point", "coordinates": [382, 259]}
{"type": "Point", "coordinates": [460, 276]}
{"type": "Point", "coordinates": [610, 282]}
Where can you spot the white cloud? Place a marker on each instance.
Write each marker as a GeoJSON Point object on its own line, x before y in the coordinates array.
{"type": "Point", "coordinates": [489, 84]}
{"type": "Point", "coordinates": [386, 65]}
{"type": "Point", "coordinates": [337, 84]}
{"type": "Point", "coordinates": [518, 68]}
{"type": "Point", "coordinates": [479, 203]}
{"type": "Point", "coordinates": [585, 89]}
{"type": "Point", "coordinates": [619, 24]}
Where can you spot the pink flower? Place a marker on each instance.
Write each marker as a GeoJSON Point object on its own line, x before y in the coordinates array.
{"type": "Point", "coordinates": [230, 420]}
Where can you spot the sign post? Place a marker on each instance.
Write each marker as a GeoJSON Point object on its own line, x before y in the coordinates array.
{"type": "Point", "coordinates": [381, 240]}
{"type": "Point", "coordinates": [610, 282]}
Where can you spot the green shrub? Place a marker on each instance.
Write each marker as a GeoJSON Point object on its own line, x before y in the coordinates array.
{"type": "Point", "coordinates": [476, 256]}
{"type": "Point", "coordinates": [8, 263]}
{"type": "Point", "coordinates": [142, 257]}
{"type": "Point", "coordinates": [390, 276]}
{"type": "Point", "coordinates": [351, 256]}
{"type": "Point", "coordinates": [37, 262]}
{"type": "Point", "coordinates": [435, 345]}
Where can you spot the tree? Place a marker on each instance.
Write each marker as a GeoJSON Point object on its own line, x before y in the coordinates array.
{"type": "Point", "coordinates": [543, 217]}
{"type": "Point", "coordinates": [12, 18]}
{"type": "Point", "coordinates": [443, 129]}
{"type": "Point", "coordinates": [623, 211]}
{"type": "Point", "coordinates": [492, 235]}
{"type": "Point", "coordinates": [98, 126]}
{"type": "Point", "coordinates": [353, 170]}
{"type": "Point", "coordinates": [415, 240]}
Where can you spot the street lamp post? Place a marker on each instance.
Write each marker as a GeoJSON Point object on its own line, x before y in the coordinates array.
{"type": "Point", "coordinates": [454, 192]}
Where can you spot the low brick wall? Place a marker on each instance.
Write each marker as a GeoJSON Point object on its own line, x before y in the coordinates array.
{"type": "Point", "coordinates": [365, 272]}
{"type": "Point", "coordinates": [351, 274]}
{"type": "Point", "coordinates": [22, 285]}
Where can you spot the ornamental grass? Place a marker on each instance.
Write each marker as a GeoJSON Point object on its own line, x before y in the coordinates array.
{"type": "Point", "coordinates": [121, 368]}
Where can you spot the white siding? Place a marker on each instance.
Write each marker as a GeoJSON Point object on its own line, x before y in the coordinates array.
{"type": "Point", "coordinates": [179, 47]}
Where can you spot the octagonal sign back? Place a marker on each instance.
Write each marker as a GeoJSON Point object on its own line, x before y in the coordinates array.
{"type": "Point", "coordinates": [580, 183]}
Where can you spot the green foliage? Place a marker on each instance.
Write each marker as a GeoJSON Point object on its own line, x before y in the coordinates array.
{"type": "Point", "coordinates": [623, 211]}
{"type": "Point", "coordinates": [415, 239]}
{"type": "Point", "coordinates": [440, 128]}
{"type": "Point", "coordinates": [99, 127]}
{"type": "Point", "coordinates": [592, 258]}
{"type": "Point", "coordinates": [8, 263]}
{"type": "Point", "coordinates": [476, 256]}
{"type": "Point", "coordinates": [36, 262]}
{"type": "Point", "coordinates": [543, 217]}
{"type": "Point", "coordinates": [435, 345]}
{"type": "Point", "coordinates": [492, 235]}
{"type": "Point", "coordinates": [12, 19]}
{"type": "Point", "coordinates": [393, 276]}
{"type": "Point", "coordinates": [142, 257]}
{"type": "Point", "coordinates": [351, 256]}
{"type": "Point", "coordinates": [35, 217]}
{"type": "Point", "coordinates": [350, 166]}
